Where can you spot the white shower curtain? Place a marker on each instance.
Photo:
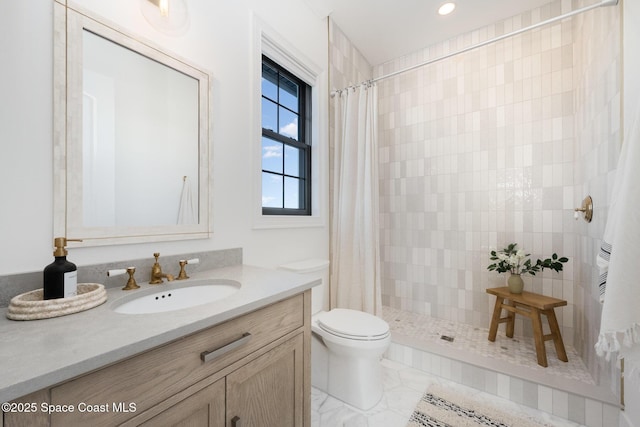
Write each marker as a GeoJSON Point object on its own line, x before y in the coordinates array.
{"type": "Point", "coordinates": [355, 258]}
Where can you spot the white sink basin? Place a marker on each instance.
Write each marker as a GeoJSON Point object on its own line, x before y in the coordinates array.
{"type": "Point", "coordinates": [176, 296]}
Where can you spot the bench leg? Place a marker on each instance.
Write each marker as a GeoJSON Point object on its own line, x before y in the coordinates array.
{"type": "Point", "coordinates": [557, 337]}
{"type": "Point", "coordinates": [511, 323]}
{"type": "Point", "coordinates": [539, 338]}
{"type": "Point", "coordinates": [495, 320]}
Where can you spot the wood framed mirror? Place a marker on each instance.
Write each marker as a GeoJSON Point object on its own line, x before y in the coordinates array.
{"type": "Point", "coordinates": [131, 137]}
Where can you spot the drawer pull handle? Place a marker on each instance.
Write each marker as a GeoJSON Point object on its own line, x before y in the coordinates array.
{"type": "Point", "coordinates": [208, 356]}
{"type": "Point", "coordinates": [235, 421]}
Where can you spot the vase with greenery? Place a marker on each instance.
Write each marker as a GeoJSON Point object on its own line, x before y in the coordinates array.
{"type": "Point", "coordinates": [517, 262]}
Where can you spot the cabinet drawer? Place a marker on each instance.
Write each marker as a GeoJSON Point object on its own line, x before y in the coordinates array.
{"type": "Point", "coordinates": [151, 377]}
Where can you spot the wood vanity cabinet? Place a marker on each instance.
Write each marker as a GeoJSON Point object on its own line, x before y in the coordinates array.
{"type": "Point", "coordinates": [256, 373]}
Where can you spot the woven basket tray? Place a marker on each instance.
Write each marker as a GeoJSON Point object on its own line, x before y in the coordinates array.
{"type": "Point", "coordinates": [31, 306]}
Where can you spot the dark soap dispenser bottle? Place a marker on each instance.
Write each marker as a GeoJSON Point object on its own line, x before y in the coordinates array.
{"type": "Point", "coordinates": [61, 276]}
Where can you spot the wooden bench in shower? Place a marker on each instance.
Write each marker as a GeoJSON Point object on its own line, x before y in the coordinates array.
{"type": "Point", "coordinates": [532, 306]}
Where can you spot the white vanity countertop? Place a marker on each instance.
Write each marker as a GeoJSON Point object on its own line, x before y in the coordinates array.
{"type": "Point", "coordinates": [37, 354]}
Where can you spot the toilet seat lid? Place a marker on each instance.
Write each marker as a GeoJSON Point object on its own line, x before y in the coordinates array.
{"type": "Point", "coordinates": [353, 324]}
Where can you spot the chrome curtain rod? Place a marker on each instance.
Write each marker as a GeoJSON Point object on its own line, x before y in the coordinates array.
{"type": "Point", "coordinates": [487, 42]}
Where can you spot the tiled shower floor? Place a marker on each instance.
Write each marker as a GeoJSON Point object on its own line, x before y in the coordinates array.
{"type": "Point", "coordinates": [519, 351]}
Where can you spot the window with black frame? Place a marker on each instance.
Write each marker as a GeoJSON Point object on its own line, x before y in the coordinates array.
{"type": "Point", "coordinates": [286, 142]}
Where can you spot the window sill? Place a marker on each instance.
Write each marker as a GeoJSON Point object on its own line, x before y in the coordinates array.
{"type": "Point", "coordinates": [287, 221]}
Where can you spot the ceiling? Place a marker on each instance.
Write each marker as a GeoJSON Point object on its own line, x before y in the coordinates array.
{"type": "Point", "coordinates": [386, 29]}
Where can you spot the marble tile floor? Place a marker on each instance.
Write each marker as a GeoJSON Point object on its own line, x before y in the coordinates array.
{"type": "Point", "coordinates": [403, 388]}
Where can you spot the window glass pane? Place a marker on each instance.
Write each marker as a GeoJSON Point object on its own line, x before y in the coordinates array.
{"type": "Point", "coordinates": [271, 155]}
{"type": "Point", "coordinates": [288, 123]}
{"type": "Point", "coordinates": [292, 160]}
{"type": "Point", "coordinates": [269, 115]}
{"type": "Point", "coordinates": [284, 168]}
{"type": "Point", "coordinates": [288, 93]}
{"type": "Point", "coordinates": [269, 82]}
{"type": "Point", "coordinates": [292, 193]}
{"type": "Point", "coordinates": [271, 190]}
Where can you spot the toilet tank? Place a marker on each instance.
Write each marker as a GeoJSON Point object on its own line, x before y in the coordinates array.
{"type": "Point", "coordinates": [314, 269]}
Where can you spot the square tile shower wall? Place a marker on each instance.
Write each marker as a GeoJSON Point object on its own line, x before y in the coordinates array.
{"type": "Point", "coordinates": [347, 67]}
{"type": "Point", "coordinates": [496, 146]}
{"type": "Point", "coordinates": [477, 151]}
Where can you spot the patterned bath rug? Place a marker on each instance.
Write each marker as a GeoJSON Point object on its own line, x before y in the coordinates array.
{"type": "Point", "coordinates": [444, 407]}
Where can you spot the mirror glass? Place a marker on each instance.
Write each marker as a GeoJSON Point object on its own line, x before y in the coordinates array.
{"type": "Point", "coordinates": [139, 144]}
{"type": "Point", "coordinates": [135, 144]}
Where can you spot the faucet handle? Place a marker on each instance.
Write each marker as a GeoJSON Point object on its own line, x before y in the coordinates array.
{"type": "Point", "coordinates": [131, 283]}
{"type": "Point", "coordinates": [116, 272]}
{"type": "Point", "coordinates": [183, 274]}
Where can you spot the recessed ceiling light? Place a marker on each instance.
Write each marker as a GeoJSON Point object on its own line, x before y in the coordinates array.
{"type": "Point", "coordinates": [446, 8]}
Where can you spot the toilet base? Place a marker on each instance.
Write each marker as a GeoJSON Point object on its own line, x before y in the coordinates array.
{"type": "Point", "coordinates": [356, 381]}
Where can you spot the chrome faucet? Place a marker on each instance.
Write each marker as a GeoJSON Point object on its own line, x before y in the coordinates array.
{"type": "Point", "coordinates": [157, 274]}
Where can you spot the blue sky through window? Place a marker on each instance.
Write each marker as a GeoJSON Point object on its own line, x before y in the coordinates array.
{"type": "Point", "coordinates": [281, 163]}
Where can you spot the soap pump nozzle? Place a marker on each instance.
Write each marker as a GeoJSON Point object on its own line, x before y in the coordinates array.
{"type": "Point", "coordinates": [60, 243]}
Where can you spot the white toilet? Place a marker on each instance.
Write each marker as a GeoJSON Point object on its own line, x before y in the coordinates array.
{"type": "Point", "coordinates": [346, 345]}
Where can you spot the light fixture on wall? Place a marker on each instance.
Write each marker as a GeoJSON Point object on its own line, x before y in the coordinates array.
{"type": "Point", "coordinates": [446, 8]}
{"type": "Point", "coordinates": [167, 16]}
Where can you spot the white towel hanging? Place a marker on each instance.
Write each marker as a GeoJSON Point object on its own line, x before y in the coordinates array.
{"type": "Point", "coordinates": [187, 211]}
{"type": "Point", "coordinates": [620, 323]}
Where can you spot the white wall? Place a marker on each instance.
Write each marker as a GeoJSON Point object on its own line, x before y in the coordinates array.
{"type": "Point", "coordinates": [219, 39]}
